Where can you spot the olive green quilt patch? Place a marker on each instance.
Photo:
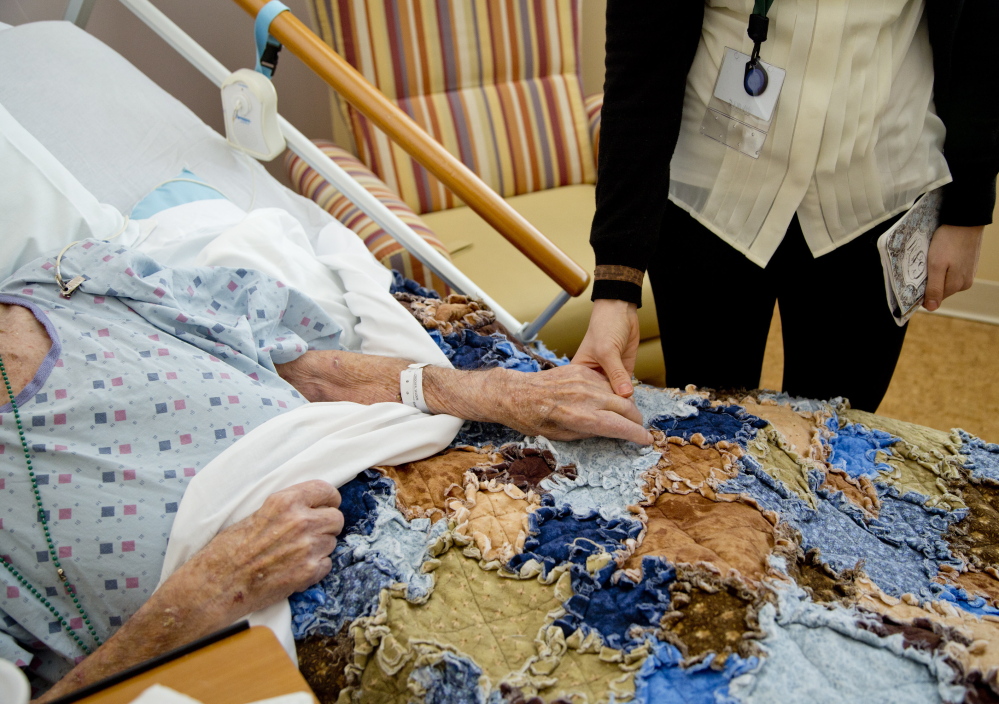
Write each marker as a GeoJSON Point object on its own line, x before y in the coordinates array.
{"type": "Point", "coordinates": [500, 621]}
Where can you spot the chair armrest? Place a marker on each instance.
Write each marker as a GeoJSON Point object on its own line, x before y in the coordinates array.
{"type": "Point", "coordinates": [593, 104]}
{"type": "Point", "coordinates": [385, 249]}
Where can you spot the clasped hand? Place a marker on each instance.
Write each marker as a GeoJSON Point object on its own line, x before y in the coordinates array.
{"type": "Point", "coordinates": [610, 345]}
{"type": "Point", "coordinates": [282, 547]}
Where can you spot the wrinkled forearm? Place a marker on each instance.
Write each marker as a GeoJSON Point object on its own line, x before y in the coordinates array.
{"type": "Point", "coordinates": [563, 403]}
{"type": "Point", "coordinates": [476, 395]}
{"type": "Point", "coordinates": [350, 376]}
{"type": "Point", "coordinates": [198, 599]}
{"type": "Point", "coordinates": [335, 375]}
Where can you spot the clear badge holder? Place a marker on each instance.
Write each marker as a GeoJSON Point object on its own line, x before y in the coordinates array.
{"type": "Point", "coordinates": [734, 117]}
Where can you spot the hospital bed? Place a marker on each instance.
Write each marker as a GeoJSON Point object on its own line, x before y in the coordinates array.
{"type": "Point", "coordinates": [764, 549]}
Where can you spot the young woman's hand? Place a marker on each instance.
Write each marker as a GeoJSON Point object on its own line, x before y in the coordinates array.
{"type": "Point", "coordinates": [610, 345]}
{"type": "Point", "coordinates": [951, 262]}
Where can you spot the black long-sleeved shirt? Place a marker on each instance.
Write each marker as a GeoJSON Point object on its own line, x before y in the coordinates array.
{"type": "Point", "coordinates": [650, 49]}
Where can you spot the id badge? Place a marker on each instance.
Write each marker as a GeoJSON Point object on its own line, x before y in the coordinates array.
{"type": "Point", "coordinates": [742, 105]}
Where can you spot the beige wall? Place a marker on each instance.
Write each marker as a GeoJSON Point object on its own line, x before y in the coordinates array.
{"type": "Point", "coordinates": [988, 266]}
{"type": "Point", "coordinates": [593, 46]}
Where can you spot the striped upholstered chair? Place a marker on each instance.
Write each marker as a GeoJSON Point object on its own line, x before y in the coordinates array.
{"type": "Point", "coordinates": [497, 83]}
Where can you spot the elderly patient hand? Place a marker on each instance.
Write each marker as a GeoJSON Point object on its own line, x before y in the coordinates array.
{"type": "Point", "coordinates": [281, 548]}
{"type": "Point", "coordinates": [565, 403]}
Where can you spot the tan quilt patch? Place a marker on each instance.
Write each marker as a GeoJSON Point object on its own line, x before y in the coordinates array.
{"type": "Point", "coordinates": [858, 491]}
{"type": "Point", "coordinates": [801, 431]}
{"type": "Point", "coordinates": [974, 642]}
{"type": "Point", "coordinates": [685, 467]}
{"type": "Point", "coordinates": [725, 536]}
{"type": "Point", "coordinates": [494, 515]}
{"type": "Point", "coordinates": [422, 487]}
{"type": "Point", "coordinates": [783, 463]}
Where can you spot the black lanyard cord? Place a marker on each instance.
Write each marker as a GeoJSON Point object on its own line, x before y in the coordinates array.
{"type": "Point", "coordinates": [758, 24]}
{"type": "Point", "coordinates": [756, 79]}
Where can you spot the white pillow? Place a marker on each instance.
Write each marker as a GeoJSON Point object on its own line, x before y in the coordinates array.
{"type": "Point", "coordinates": [42, 206]}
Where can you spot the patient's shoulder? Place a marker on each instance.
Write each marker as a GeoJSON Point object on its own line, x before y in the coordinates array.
{"type": "Point", "coordinates": [23, 346]}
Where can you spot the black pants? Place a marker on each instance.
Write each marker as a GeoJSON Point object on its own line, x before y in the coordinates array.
{"type": "Point", "coordinates": [715, 305]}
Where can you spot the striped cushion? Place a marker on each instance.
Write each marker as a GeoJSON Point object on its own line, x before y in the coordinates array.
{"type": "Point", "coordinates": [495, 81]}
{"type": "Point", "coordinates": [385, 249]}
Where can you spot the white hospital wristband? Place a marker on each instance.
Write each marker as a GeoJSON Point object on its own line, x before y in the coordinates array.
{"type": "Point", "coordinates": [411, 386]}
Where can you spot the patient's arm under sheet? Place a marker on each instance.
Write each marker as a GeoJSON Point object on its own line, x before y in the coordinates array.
{"type": "Point", "coordinates": [328, 441]}
{"type": "Point", "coordinates": [336, 271]}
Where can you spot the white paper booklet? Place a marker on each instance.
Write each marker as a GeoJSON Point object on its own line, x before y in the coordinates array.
{"type": "Point", "coordinates": [904, 249]}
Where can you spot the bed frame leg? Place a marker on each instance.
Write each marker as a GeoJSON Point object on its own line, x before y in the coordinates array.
{"type": "Point", "coordinates": [529, 331]}
{"type": "Point", "coordinates": [78, 12]}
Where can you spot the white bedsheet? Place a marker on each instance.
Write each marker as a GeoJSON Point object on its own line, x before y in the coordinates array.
{"type": "Point", "coordinates": [43, 207]}
{"type": "Point", "coordinates": [330, 441]}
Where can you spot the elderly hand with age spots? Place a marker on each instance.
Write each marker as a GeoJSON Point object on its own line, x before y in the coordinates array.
{"type": "Point", "coordinates": [281, 548]}
{"type": "Point", "coordinates": [564, 403]}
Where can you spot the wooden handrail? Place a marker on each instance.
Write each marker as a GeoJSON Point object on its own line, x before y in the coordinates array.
{"type": "Point", "coordinates": [458, 178]}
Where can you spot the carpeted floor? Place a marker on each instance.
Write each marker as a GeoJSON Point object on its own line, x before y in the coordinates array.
{"type": "Point", "coordinates": [947, 376]}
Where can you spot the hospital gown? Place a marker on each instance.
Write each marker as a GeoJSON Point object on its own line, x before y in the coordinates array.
{"type": "Point", "coordinates": [152, 372]}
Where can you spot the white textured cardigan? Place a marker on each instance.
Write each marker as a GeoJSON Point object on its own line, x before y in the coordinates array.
{"type": "Point", "coordinates": [854, 139]}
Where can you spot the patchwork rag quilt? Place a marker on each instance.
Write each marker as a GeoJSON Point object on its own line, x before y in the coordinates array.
{"type": "Point", "coordinates": [764, 549]}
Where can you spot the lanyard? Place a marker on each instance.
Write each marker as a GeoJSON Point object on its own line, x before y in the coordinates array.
{"type": "Point", "coordinates": [758, 24]}
{"type": "Point", "coordinates": [756, 79]}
